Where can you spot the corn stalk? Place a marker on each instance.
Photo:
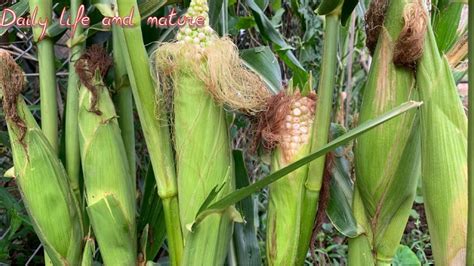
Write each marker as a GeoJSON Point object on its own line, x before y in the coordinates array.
{"type": "Point", "coordinates": [124, 103]}
{"type": "Point", "coordinates": [73, 159]}
{"type": "Point", "coordinates": [156, 131]}
{"type": "Point", "coordinates": [320, 133]}
{"type": "Point", "coordinates": [47, 72]}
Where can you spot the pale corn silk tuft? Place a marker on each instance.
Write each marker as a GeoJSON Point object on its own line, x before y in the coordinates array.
{"type": "Point", "coordinates": [213, 60]}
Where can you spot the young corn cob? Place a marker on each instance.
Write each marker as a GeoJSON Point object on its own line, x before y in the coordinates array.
{"type": "Point", "coordinates": [444, 155]}
{"type": "Point", "coordinates": [290, 123]}
{"type": "Point", "coordinates": [387, 158]}
{"type": "Point", "coordinates": [41, 178]}
{"type": "Point", "coordinates": [200, 73]}
{"type": "Point", "coordinates": [107, 180]}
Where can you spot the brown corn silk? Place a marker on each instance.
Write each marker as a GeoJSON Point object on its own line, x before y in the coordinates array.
{"type": "Point", "coordinates": [387, 158]}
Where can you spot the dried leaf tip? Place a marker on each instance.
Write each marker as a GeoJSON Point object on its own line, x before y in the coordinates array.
{"type": "Point", "coordinates": [12, 82]}
{"type": "Point", "coordinates": [94, 61]}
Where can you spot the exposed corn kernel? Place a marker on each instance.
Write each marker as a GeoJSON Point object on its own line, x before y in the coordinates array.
{"type": "Point", "coordinates": [298, 122]}
{"type": "Point", "coordinates": [199, 36]}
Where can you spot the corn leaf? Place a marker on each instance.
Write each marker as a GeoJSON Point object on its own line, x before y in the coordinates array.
{"type": "Point", "coordinates": [446, 18]}
{"type": "Point", "coordinates": [88, 253]}
{"type": "Point", "coordinates": [245, 236]}
{"type": "Point", "coordinates": [242, 193]}
{"type": "Point", "coordinates": [328, 6]}
{"type": "Point", "coordinates": [339, 206]}
{"type": "Point", "coordinates": [262, 61]}
{"type": "Point", "coordinates": [347, 8]}
{"type": "Point", "coordinates": [151, 216]}
{"type": "Point", "coordinates": [283, 50]}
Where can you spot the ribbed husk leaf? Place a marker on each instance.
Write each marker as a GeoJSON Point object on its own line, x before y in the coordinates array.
{"type": "Point", "coordinates": [203, 161]}
{"type": "Point", "coordinates": [388, 157]}
{"type": "Point", "coordinates": [444, 156]}
{"type": "Point", "coordinates": [108, 183]}
{"type": "Point", "coordinates": [285, 204]}
{"type": "Point", "coordinates": [46, 193]}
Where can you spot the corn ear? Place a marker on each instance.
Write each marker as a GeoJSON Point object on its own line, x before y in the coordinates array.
{"type": "Point", "coordinates": [201, 73]}
{"type": "Point", "coordinates": [285, 203]}
{"type": "Point", "coordinates": [444, 155]}
{"type": "Point", "coordinates": [107, 179]}
{"type": "Point", "coordinates": [387, 158]}
{"type": "Point", "coordinates": [42, 180]}
{"type": "Point", "coordinates": [203, 163]}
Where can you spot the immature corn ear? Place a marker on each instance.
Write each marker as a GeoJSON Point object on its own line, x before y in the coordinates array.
{"type": "Point", "coordinates": [40, 176]}
{"type": "Point", "coordinates": [108, 183]}
{"type": "Point", "coordinates": [387, 158]}
{"type": "Point", "coordinates": [286, 126]}
{"type": "Point", "coordinates": [200, 74]}
{"type": "Point", "coordinates": [444, 155]}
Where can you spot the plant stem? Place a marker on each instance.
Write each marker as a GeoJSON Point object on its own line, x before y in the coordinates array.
{"type": "Point", "coordinates": [73, 159]}
{"type": "Point", "coordinates": [322, 123]}
{"type": "Point", "coordinates": [47, 73]}
{"type": "Point", "coordinates": [124, 104]}
{"type": "Point", "coordinates": [156, 131]}
{"type": "Point", "coordinates": [470, 165]}
{"type": "Point", "coordinates": [47, 78]}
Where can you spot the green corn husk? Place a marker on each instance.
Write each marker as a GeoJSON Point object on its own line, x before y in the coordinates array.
{"type": "Point", "coordinates": [203, 162]}
{"type": "Point", "coordinates": [107, 180]}
{"type": "Point", "coordinates": [387, 158]}
{"type": "Point", "coordinates": [285, 202]}
{"type": "Point", "coordinates": [42, 180]}
{"type": "Point", "coordinates": [444, 156]}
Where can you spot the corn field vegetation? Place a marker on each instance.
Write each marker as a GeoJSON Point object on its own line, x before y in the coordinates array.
{"type": "Point", "coordinates": [276, 132]}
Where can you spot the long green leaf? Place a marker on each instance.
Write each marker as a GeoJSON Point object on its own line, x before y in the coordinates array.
{"type": "Point", "coordinates": [446, 19]}
{"type": "Point", "coordinates": [240, 194]}
{"type": "Point", "coordinates": [269, 33]}
{"type": "Point", "coordinates": [347, 8]}
{"type": "Point", "coordinates": [262, 61]}
{"type": "Point", "coordinates": [339, 206]}
{"type": "Point", "coordinates": [328, 6]}
{"type": "Point", "coordinates": [245, 240]}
